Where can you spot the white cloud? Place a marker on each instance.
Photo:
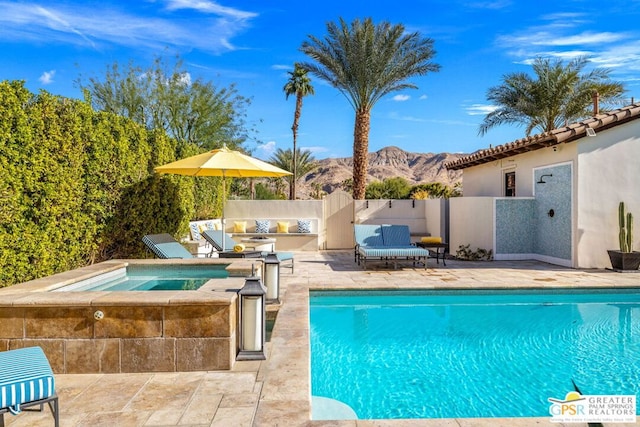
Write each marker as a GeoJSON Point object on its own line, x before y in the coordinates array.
{"type": "Point", "coordinates": [568, 35]}
{"type": "Point", "coordinates": [47, 77]}
{"type": "Point", "coordinates": [266, 150]}
{"type": "Point", "coordinates": [401, 98]}
{"type": "Point", "coordinates": [422, 97]}
{"type": "Point", "coordinates": [480, 109]}
{"type": "Point", "coordinates": [395, 116]}
{"type": "Point", "coordinates": [316, 149]}
{"type": "Point", "coordinates": [562, 16]}
{"type": "Point", "coordinates": [549, 38]}
{"type": "Point", "coordinates": [185, 79]}
{"type": "Point", "coordinates": [95, 25]}
{"type": "Point", "coordinates": [492, 5]}
{"type": "Point", "coordinates": [281, 67]}
{"type": "Point", "coordinates": [209, 7]}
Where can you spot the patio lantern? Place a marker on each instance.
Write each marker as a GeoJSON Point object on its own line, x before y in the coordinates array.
{"type": "Point", "coordinates": [271, 265]}
{"type": "Point", "coordinates": [251, 315]}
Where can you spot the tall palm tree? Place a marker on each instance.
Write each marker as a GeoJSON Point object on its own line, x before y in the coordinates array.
{"type": "Point", "coordinates": [284, 160]}
{"type": "Point", "coordinates": [558, 95]}
{"type": "Point", "coordinates": [299, 84]}
{"type": "Point", "coordinates": [365, 62]}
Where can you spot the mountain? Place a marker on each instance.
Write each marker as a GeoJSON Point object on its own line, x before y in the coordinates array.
{"type": "Point", "coordinates": [388, 162]}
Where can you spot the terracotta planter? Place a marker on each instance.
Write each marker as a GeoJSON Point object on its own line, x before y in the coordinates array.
{"type": "Point", "coordinates": [624, 261]}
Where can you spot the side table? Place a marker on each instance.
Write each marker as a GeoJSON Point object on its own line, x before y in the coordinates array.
{"type": "Point", "coordinates": [437, 246]}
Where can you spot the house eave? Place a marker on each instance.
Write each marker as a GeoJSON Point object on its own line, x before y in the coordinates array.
{"type": "Point", "coordinates": [565, 134]}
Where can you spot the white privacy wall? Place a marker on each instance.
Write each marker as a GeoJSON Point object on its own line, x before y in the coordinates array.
{"type": "Point", "coordinates": [471, 223]}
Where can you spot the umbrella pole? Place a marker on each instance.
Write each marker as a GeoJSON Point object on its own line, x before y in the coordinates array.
{"type": "Point", "coordinates": [224, 194]}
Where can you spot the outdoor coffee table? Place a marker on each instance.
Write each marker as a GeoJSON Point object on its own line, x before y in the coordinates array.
{"type": "Point", "coordinates": [258, 243]}
{"type": "Point", "coordinates": [437, 246]}
{"type": "Point", "coordinates": [243, 254]}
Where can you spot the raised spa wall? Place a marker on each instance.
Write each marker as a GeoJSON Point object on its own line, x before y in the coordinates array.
{"type": "Point", "coordinates": [140, 331]}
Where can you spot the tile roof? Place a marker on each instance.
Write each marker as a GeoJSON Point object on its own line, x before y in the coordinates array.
{"type": "Point", "coordinates": [565, 134]}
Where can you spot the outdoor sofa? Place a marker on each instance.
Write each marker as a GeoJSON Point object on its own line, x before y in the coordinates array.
{"type": "Point", "coordinates": [388, 243]}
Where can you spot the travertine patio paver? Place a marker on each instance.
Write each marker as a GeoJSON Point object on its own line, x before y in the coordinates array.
{"type": "Point", "coordinates": [276, 392]}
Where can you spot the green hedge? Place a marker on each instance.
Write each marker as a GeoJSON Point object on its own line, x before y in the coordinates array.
{"type": "Point", "coordinates": [77, 186]}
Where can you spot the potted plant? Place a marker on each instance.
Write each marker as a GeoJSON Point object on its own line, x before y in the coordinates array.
{"type": "Point", "coordinates": [626, 258]}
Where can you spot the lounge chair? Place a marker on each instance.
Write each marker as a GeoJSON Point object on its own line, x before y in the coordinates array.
{"type": "Point", "coordinates": [216, 237]}
{"type": "Point", "coordinates": [386, 242]}
{"type": "Point", "coordinates": [26, 380]}
{"type": "Point", "coordinates": [165, 246]}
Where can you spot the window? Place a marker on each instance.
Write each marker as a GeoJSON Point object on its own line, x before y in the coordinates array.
{"type": "Point", "coordinates": [510, 184]}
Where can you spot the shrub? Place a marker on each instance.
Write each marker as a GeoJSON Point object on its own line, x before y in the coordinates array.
{"type": "Point", "coordinates": [77, 186]}
{"type": "Point", "coordinates": [466, 254]}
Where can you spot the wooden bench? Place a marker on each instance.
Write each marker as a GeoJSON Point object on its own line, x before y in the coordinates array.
{"type": "Point", "coordinates": [26, 380]}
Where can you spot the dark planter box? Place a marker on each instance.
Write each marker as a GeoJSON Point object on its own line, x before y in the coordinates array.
{"type": "Point", "coordinates": [624, 261]}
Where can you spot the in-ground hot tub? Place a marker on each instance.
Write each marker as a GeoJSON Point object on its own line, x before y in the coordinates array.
{"type": "Point", "coordinates": [98, 331]}
{"type": "Point", "coordinates": [144, 277]}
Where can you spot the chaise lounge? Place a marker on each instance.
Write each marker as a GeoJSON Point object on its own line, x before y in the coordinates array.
{"type": "Point", "coordinates": [166, 247]}
{"type": "Point", "coordinates": [386, 242]}
{"type": "Point", "coordinates": [26, 380]}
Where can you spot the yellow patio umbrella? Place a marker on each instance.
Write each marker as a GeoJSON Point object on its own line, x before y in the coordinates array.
{"type": "Point", "coordinates": [225, 163]}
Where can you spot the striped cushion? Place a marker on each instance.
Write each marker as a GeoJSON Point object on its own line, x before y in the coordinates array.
{"type": "Point", "coordinates": [195, 231]}
{"type": "Point", "coordinates": [368, 235]}
{"type": "Point", "coordinates": [396, 235]}
{"type": "Point", "coordinates": [25, 376]}
{"type": "Point", "coordinates": [385, 251]}
{"type": "Point", "coordinates": [173, 250]}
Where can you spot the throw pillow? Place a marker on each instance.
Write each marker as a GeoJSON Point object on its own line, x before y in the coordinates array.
{"type": "Point", "coordinates": [304, 226]}
{"type": "Point", "coordinates": [282, 227]}
{"type": "Point", "coordinates": [240, 226]}
{"type": "Point", "coordinates": [217, 224]}
{"type": "Point", "coordinates": [262, 225]}
{"type": "Point", "coordinates": [195, 231]}
{"type": "Point", "coordinates": [431, 239]}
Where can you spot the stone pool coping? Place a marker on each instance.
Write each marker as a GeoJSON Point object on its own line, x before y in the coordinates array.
{"type": "Point", "coordinates": [38, 291]}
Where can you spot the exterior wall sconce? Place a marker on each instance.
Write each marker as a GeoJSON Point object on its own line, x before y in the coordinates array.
{"type": "Point", "coordinates": [251, 318]}
{"type": "Point", "coordinates": [366, 204]}
{"type": "Point", "coordinates": [271, 275]}
{"type": "Point", "coordinates": [541, 180]}
{"type": "Point", "coordinates": [389, 203]}
{"type": "Point", "coordinates": [413, 203]}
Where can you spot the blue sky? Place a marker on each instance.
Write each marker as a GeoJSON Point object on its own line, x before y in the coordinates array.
{"type": "Point", "coordinates": [253, 44]}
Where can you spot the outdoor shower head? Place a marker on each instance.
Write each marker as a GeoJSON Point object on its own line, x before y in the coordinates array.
{"type": "Point", "coordinates": [542, 181]}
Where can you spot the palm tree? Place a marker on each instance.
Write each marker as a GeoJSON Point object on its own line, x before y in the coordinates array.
{"type": "Point", "coordinates": [365, 62]}
{"type": "Point", "coordinates": [558, 95]}
{"type": "Point", "coordinates": [299, 84]}
{"type": "Point", "coordinates": [284, 160]}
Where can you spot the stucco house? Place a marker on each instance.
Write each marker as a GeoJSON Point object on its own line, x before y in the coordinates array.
{"type": "Point", "coordinates": [553, 196]}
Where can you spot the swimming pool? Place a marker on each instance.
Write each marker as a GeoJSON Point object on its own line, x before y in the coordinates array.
{"type": "Point", "coordinates": [151, 278]}
{"type": "Point", "coordinates": [480, 353]}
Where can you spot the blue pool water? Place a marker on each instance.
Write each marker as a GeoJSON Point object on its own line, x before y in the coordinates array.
{"type": "Point", "coordinates": [151, 278]}
{"type": "Point", "coordinates": [446, 354]}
